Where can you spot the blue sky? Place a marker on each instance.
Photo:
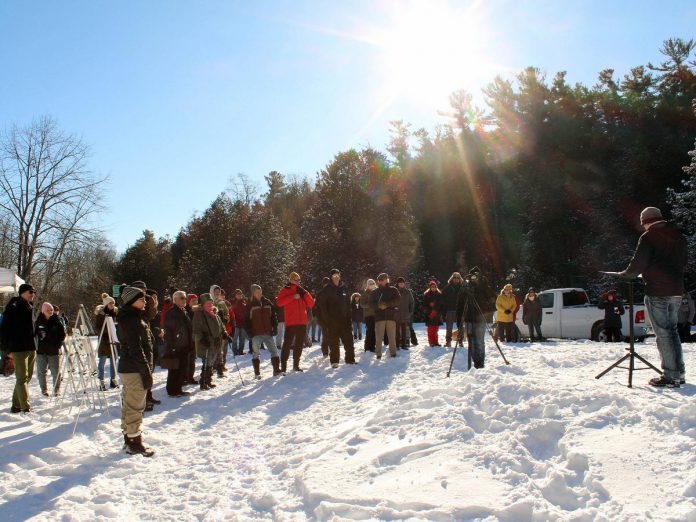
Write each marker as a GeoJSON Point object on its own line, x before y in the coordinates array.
{"type": "Point", "coordinates": [175, 97]}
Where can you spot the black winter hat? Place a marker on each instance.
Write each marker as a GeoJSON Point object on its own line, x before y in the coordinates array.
{"type": "Point", "coordinates": [25, 287]}
{"type": "Point", "coordinates": [400, 280]}
{"type": "Point", "coordinates": [139, 284]}
{"type": "Point", "coordinates": [131, 294]}
{"type": "Point", "coordinates": [334, 271]}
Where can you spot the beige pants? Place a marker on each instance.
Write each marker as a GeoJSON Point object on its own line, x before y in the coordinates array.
{"type": "Point", "coordinates": [390, 327]}
{"type": "Point", "coordinates": [132, 403]}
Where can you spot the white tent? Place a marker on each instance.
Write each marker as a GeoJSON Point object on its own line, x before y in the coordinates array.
{"type": "Point", "coordinates": [9, 281]}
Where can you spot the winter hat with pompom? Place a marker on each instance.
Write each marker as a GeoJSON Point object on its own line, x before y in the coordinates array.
{"type": "Point", "coordinates": [106, 299]}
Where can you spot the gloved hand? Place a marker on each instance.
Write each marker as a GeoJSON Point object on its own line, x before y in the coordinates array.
{"type": "Point", "coordinates": [301, 291]}
{"type": "Point", "coordinates": [382, 306]}
{"type": "Point", "coordinates": [508, 312]}
{"type": "Point", "coordinates": [147, 380]}
{"type": "Point", "coordinates": [205, 341]}
{"type": "Point", "coordinates": [225, 335]}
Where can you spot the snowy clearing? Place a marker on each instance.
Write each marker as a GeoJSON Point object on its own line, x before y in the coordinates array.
{"type": "Point", "coordinates": [391, 440]}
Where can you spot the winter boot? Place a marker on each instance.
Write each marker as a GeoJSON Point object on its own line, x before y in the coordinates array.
{"type": "Point", "coordinates": [220, 374]}
{"type": "Point", "coordinates": [202, 380]}
{"type": "Point", "coordinates": [275, 362]}
{"type": "Point", "coordinates": [135, 447]}
{"type": "Point", "coordinates": [102, 386]}
{"type": "Point", "coordinates": [113, 384]}
{"type": "Point", "coordinates": [209, 378]}
{"type": "Point", "coordinates": [284, 365]}
{"type": "Point", "coordinates": [296, 356]}
{"type": "Point", "coordinates": [257, 368]}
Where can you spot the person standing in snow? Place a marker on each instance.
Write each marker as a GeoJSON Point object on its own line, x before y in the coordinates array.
{"type": "Point", "coordinates": [134, 367]}
{"type": "Point", "coordinates": [613, 310]}
{"type": "Point", "coordinates": [661, 257]}
{"type": "Point", "coordinates": [450, 294]}
{"type": "Point", "coordinates": [505, 304]}
{"type": "Point", "coordinates": [178, 338]}
{"type": "Point", "coordinates": [262, 324]}
{"type": "Point", "coordinates": [106, 309]}
{"type": "Point", "coordinates": [356, 316]}
{"type": "Point", "coordinates": [432, 308]}
{"type": "Point", "coordinates": [240, 307]}
{"type": "Point", "coordinates": [208, 335]}
{"type": "Point", "coordinates": [224, 312]}
{"type": "Point", "coordinates": [385, 300]}
{"type": "Point", "coordinates": [50, 335]}
{"type": "Point", "coordinates": [18, 339]}
{"type": "Point", "coordinates": [475, 306]}
{"type": "Point", "coordinates": [191, 306]}
{"type": "Point", "coordinates": [368, 315]}
{"type": "Point", "coordinates": [333, 309]}
{"type": "Point", "coordinates": [295, 302]}
{"type": "Point", "coordinates": [531, 314]}
{"type": "Point", "coordinates": [317, 314]}
{"type": "Point", "coordinates": [403, 320]}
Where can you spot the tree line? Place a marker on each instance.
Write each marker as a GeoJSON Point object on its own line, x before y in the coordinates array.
{"type": "Point", "coordinates": [541, 186]}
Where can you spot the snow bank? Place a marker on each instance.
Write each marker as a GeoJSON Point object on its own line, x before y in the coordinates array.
{"type": "Point", "coordinates": [391, 440]}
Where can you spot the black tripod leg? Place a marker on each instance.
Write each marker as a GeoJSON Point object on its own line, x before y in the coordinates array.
{"type": "Point", "coordinates": [628, 355]}
{"type": "Point", "coordinates": [647, 363]}
{"type": "Point", "coordinates": [490, 332]}
{"type": "Point", "coordinates": [452, 361]}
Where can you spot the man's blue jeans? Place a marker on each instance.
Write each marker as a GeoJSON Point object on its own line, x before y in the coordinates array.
{"type": "Point", "coordinates": [663, 316]}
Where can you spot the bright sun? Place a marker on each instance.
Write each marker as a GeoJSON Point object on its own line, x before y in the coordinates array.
{"type": "Point", "coordinates": [431, 49]}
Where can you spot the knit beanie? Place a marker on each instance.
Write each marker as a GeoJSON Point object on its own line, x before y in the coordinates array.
{"type": "Point", "coordinates": [204, 298]}
{"type": "Point", "coordinates": [650, 215]}
{"type": "Point", "coordinates": [400, 280]}
{"type": "Point", "coordinates": [106, 299]}
{"type": "Point", "coordinates": [294, 275]}
{"type": "Point", "coordinates": [382, 276]}
{"type": "Point", "coordinates": [131, 294]}
{"type": "Point", "coordinates": [254, 288]}
{"type": "Point", "coordinates": [334, 271]}
{"type": "Point", "coordinates": [47, 307]}
{"type": "Point", "coordinates": [190, 298]}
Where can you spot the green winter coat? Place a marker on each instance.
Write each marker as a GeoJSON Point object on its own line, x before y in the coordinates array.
{"type": "Point", "coordinates": [207, 331]}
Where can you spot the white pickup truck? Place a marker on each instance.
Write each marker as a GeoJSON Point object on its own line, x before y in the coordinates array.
{"type": "Point", "coordinates": [568, 314]}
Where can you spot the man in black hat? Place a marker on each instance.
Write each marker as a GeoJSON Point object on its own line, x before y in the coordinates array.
{"type": "Point", "coordinates": [661, 258]}
{"type": "Point", "coordinates": [18, 339]}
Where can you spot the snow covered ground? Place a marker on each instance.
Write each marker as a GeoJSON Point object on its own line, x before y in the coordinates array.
{"type": "Point", "coordinates": [391, 440]}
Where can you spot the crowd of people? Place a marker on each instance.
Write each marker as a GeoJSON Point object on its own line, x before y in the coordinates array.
{"type": "Point", "coordinates": [188, 327]}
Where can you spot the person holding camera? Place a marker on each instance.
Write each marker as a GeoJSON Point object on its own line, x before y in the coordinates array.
{"type": "Point", "coordinates": [505, 305]}
{"type": "Point", "coordinates": [661, 258]}
{"type": "Point", "coordinates": [134, 367]}
{"type": "Point", "coordinates": [295, 301]}
{"type": "Point", "coordinates": [450, 295]}
{"type": "Point", "coordinates": [475, 306]}
{"type": "Point", "coordinates": [613, 310]}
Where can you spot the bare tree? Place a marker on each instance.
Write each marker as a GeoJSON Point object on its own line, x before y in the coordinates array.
{"type": "Point", "coordinates": [241, 189]}
{"type": "Point", "coordinates": [47, 195]}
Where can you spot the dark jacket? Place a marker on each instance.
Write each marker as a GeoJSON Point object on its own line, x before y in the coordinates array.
{"type": "Point", "coordinates": [101, 312]}
{"type": "Point", "coordinates": [479, 300]}
{"type": "Point", "coordinates": [333, 306]}
{"type": "Point", "coordinates": [50, 334]}
{"type": "Point", "coordinates": [389, 296]}
{"type": "Point", "coordinates": [208, 331]}
{"type": "Point", "coordinates": [661, 257]}
{"type": "Point", "coordinates": [531, 311]}
{"type": "Point", "coordinates": [135, 341]}
{"type": "Point", "coordinates": [356, 312]}
{"type": "Point", "coordinates": [613, 310]}
{"type": "Point", "coordinates": [261, 318]}
{"type": "Point", "coordinates": [450, 295]}
{"type": "Point", "coordinates": [178, 336]}
{"type": "Point", "coordinates": [365, 304]}
{"type": "Point", "coordinates": [406, 306]}
{"type": "Point", "coordinates": [18, 326]}
{"type": "Point", "coordinates": [432, 307]}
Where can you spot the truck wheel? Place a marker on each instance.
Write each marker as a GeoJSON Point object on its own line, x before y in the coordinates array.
{"type": "Point", "coordinates": [598, 332]}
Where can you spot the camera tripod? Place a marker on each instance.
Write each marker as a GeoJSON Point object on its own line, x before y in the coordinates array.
{"type": "Point", "coordinates": [460, 337]}
{"type": "Point", "coordinates": [631, 355]}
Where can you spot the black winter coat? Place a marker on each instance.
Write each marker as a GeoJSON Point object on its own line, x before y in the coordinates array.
{"type": "Point", "coordinates": [450, 295]}
{"type": "Point", "coordinates": [432, 307]}
{"type": "Point", "coordinates": [333, 306]}
{"type": "Point", "coordinates": [661, 258]}
{"type": "Point", "coordinates": [356, 312]}
{"type": "Point", "coordinates": [18, 326]}
{"type": "Point", "coordinates": [531, 311]}
{"type": "Point", "coordinates": [390, 296]}
{"type": "Point", "coordinates": [471, 295]}
{"type": "Point", "coordinates": [136, 342]}
{"type": "Point", "coordinates": [178, 336]}
{"type": "Point", "coordinates": [50, 334]}
{"type": "Point", "coordinates": [613, 310]}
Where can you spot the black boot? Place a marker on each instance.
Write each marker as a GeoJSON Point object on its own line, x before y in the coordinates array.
{"type": "Point", "coordinates": [275, 362]}
{"type": "Point", "coordinates": [220, 374]}
{"type": "Point", "coordinates": [135, 447]}
{"type": "Point", "coordinates": [113, 384]}
{"type": "Point", "coordinates": [284, 365]}
{"type": "Point", "coordinates": [209, 379]}
{"type": "Point", "coordinates": [257, 368]}
{"type": "Point", "coordinates": [203, 379]}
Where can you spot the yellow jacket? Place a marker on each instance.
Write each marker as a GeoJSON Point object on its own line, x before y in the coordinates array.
{"type": "Point", "coordinates": [503, 303]}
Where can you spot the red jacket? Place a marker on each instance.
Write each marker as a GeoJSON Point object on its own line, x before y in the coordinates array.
{"type": "Point", "coordinates": [240, 310]}
{"type": "Point", "coordinates": [295, 309]}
